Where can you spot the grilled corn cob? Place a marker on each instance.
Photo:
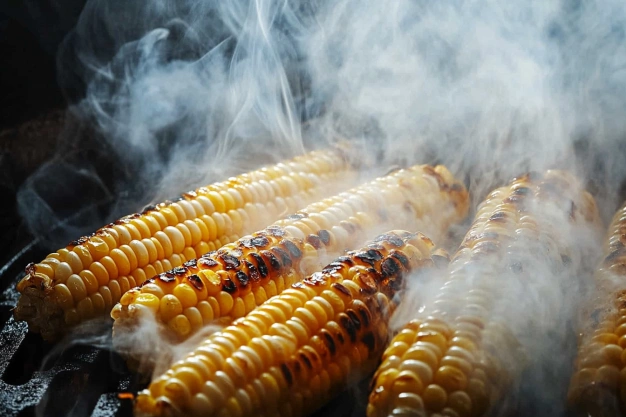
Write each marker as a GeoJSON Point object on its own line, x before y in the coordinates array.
{"type": "Point", "coordinates": [460, 356]}
{"type": "Point", "coordinates": [598, 386]}
{"type": "Point", "coordinates": [299, 349]}
{"type": "Point", "coordinates": [89, 276]}
{"type": "Point", "coordinates": [240, 276]}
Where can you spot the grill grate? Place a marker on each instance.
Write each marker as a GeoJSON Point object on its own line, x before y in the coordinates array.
{"type": "Point", "coordinates": [40, 379]}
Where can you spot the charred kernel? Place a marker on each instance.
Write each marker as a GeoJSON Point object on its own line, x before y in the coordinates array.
{"type": "Point", "coordinates": [253, 272]}
{"type": "Point", "coordinates": [332, 267]}
{"type": "Point", "coordinates": [230, 261]}
{"type": "Point", "coordinates": [275, 231]}
{"type": "Point", "coordinates": [229, 286]}
{"type": "Point", "coordinates": [242, 278]}
{"type": "Point", "coordinates": [521, 191]}
{"type": "Point", "coordinates": [356, 321]}
{"type": "Point", "coordinates": [366, 317]}
{"type": "Point", "coordinates": [195, 281]}
{"type": "Point", "coordinates": [287, 373]}
{"type": "Point", "coordinates": [390, 267]}
{"type": "Point", "coordinates": [324, 236]}
{"type": "Point", "coordinates": [272, 259]}
{"type": "Point", "coordinates": [498, 216]}
{"type": "Point", "coordinates": [329, 341]}
{"type": "Point", "coordinates": [349, 227]}
{"type": "Point", "coordinates": [207, 262]}
{"type": "Point", "coordinates": [283, 256]}
{"type": "Point", "coordinates": [260, 263]}
{"type": "Point", "coordinates": [314, 241]}
{"type": "Point", "coordinates": [315, 279]}
{"type": "Point", "coordinates": [401, 257]}
{"type": "Point", "coordinates": [192, 263]}
{"type": "Point", "coordinates": [370, 256]}
{"type": "Point", "coordinates": [342, 289]}
{"type": "Point", "coordinates": [292, 248]}
{"type": "Point", "coordinates": [167, 277]}
{"type": "Point", "coordinates": [179, 270]}
{"type": "Point", "coordinates": [306, 361]}
{"type": "Point", "coordinates": [260, 241]}
{"type": "Point", "coordinates": [368, 284]}
{"type": "Point", "coordinates": [392, 239]}
{"type": "Point", "coordinates": [348, 325]}
{"type": "Point", "coordinates": [369, 340]}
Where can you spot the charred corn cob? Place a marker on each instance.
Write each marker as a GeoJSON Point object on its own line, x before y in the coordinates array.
{"type": "Point", "coordinates": [460, 355]}
{"type": "Point", "coordinates": [89, 276]}
{"type": "Point", "coordinates": [299, 349]}
{"type": "Point", "coordinates": [240, 276]}
{"type": "Point", "coordinates": [598, 385]}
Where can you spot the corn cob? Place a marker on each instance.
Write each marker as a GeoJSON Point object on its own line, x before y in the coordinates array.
{"type": "Point", "coordinates": [234, 280]}
{"type": "Point", "coordinates": [460, 356]}
{"type": "Point", "coordinates": [598, 385]}
{"type": "Point", "coordinates": [299, 349]}
{"type": "Point", "coordinates": [89, 276]}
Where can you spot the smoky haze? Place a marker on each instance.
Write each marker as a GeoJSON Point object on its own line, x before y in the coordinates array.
{"type": "Point", "coordinates": [186, 92]}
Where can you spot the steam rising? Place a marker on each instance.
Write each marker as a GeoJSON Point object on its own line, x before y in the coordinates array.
{"type": "Point", "coordinates": [185, 92]}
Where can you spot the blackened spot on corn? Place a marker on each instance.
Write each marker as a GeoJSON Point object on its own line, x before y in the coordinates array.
{"type": "Point", "coordinates": [346, 323]}
{"type": "Point", "coordinates": [324, 236]}
{"type": "Point", "coordinates": [275, 231]}
{"type": "Point", "coordinates": [306, 361]}
{"type": "Point", "coordinates": [192, 263]}
{"type": "Point", "coordinates": [356, 321]}
{"type": "Point", "coordinates": [375, 246]}
{"type": "Point", "coordinates": [253, 272]}
{"type": "Point", "coordinates": [314, 241]}
{"type": "Point", "coordinates": [273, 260]}
{"type": "Point", "coordinates": [572, 211]}
{"type": "Point", "coordinates": [348, 226]}
{"type": "Point", "coordinates": [342, 289]}
{"type": "Point", "coordinates": [196, 282]}
{"type": "Point", "coordinates": [246, 243]}
{"type": "Point", "coordinates": [243, 278]}
{"type": "Point", "coordinates": [389, 267]}
{"type": "Point", "coordinates": [260, 241]}
{"type": "Point", "coordinates": [440, 181]}
{"type": "Point", "coordinates": [332, 267]}
{"type": "Point", "coordinates": [229, 286]}
{"type": "Point", "coordinates": [121, 221]}
{"type": "Point", "coordinates": [498, 217]}
{"type": "Point", "coordinates": [297, 216]}
{"type": "Point", "coordinates": [316, 279]}
{"type": "Point", "coordinates": [146, 282]}
{"type": "Point", "coordinates": [207, 262]}
{"type": "Point", "coordinates": [365, 316]}
{"type": "Point", "coordinates": [400, 257]}
{"type": "Point", "coordinates": [369, 340]}
{"type": "Point", "coordinates": [287, 373]}
{"type": "Point", "coordinates": [329, 341]}
{"type": "Point", "coordinates": [167, 277]}
{"type": "Point", "coordinates": [283, 256]}
{"type": "Point", "coordinates": [179, 270]}
{"type": "Point", "coordinates": [230, 261]}
{"type": "Point", "coordinates": [514, 199]}
{"type": "Point", "coordinates": [260, 263]}
{"type": "Point", "coordinates": [368, 284]}
{"type": "Point", "coordinates": [370, 256]}
{"type": "Point", "coordinates": [521, 191]}
{"type": "Point", "coordinates": [292, 248]}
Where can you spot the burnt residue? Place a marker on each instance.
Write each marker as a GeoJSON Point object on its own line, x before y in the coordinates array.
{"type": "Point", "coordinates": [243, 278]}
{"type": "Point", "coordinates": [314, 241]}
{"type": "Point", "coordinates": [166, 277]}
{"type": "Point", "coordinates": [283, 256]}
{"type": "Point", "coordinates": [207, 261]}
{"type": "Point", "coordinates": [179, 271]}
{"type": "Point", "coordinates": [260, 264]}
{"type": "Point", "coordinates": [342, 289]}
{"type": "Point", "coordinates": [324, 236]}
{"type": "Point", "coordinates": [329, 341]}
{"type": "Point", "coordinates": [293, 249]}
{"type": "Point", "coordinates": [229, 286]}
{"type": "Point", "coordinates": [287, 373]}
{"type": "Point", "coordinates": [370, 256]}
{"type": "Point", "coordinates": [273, 261]}
{"type": "Point", "coordinates": [253, 272]}
{"type": "Point", "coordinates": [196, 282]}
{"type": "Point", "coordinates": [229, 261]}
